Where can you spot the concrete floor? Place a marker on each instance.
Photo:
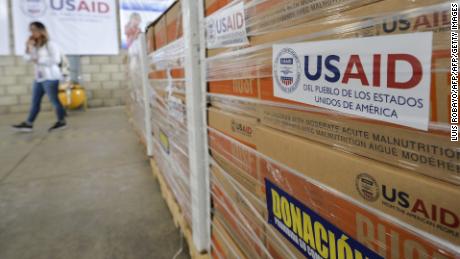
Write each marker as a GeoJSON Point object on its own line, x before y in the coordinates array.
{"type": "Point", "coordinates": [84, 192]}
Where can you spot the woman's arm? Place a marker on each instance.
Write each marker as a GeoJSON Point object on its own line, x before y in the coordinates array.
{"type": "Point", "coordinates": [31, 52]}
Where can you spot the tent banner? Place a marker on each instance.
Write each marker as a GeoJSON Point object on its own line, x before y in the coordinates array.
{"type": "Point", "coordinates": [4, 28]}
{"type": "Point", "coordinates": [79, 27]}
{"type": "Point", "coordinates": [135, 15]}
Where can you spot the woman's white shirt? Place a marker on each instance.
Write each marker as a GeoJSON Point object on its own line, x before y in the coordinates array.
{"type": "Point", "coordinates": [48, 58]}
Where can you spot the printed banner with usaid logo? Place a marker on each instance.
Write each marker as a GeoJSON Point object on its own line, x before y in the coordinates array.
{"type": "Point", "coordinates": [4, 28]}
{"type": "Point", "coordinates": [226, 28]}
{"type": "Point", "coordinates": [79, 27]}
{"type": "Point", "coordinates": [312, 235]}
{"type": "Point", "coordinates": [135, 15]}
{"type": "Point", "coordinates": [385, 78]}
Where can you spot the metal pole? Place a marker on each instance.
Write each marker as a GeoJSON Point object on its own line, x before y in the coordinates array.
{"type": "Point", "coordinates": [196, 120]}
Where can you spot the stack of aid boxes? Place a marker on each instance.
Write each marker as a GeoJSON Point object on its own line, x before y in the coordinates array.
{"type": "Point", "coordinates": [328, 129]}
{"type": "Point", "coordinates": [167, 87]}
{"type": "Point", "coordinates": [135, 105]}
{"type": "Point", "coordinates": [166, 29]}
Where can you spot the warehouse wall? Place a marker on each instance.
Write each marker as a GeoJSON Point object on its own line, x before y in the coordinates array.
{"type": "Point", "coordinates": [102, 76]}
{"type": "Point", "coordinates": [105, 79]}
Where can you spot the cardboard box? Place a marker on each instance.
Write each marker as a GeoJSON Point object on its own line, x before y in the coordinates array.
{"type": "Point", "coordinates": [273, 16]}
{"type": "Point", "coordinates": [239, 87]}
{"type": "Point", "coordinates": [224, 129]}
{"type": "Point", "coordinates": [235, 106]}
{"type": "Point", "coordinates": [323, 19]}
{"type": "Point", "coordinates": [342, 217]}
{"type": "Point", "coordinates": [211, 6]}
{"type": "Point", "coordinates": [273, 246]}
{"type": "Point", "coordinates": [174, 22]}
{"type": "Point", "coordinates": [244, 230]}
{"type": "Point", "coordinates": [248, 183]}
{"type": "Point", "coordinates": [181, 159]}
{"type": "Point", "coordinates": [237, 187]}
{"type": "Point", "coordinates": [432, 21]}
{"type": "Point", "coordinates": [279, 247]}
{"type": "Point", "coordinates": [261, 90]}
{"type": "Point", "coordinates": [239, 158]}
{"type": "Point", "coordinates": [170, 172]}
{"type": "Point", "coordinates": [255, 71]}
{"type": "Point", "coordinates": [150, 37]}
{"type": "Point", "coordinates": [420, 201]}
{"type": "Point", "coordinates": [346, 216]}
{"type": "Point", "coordinates": [427, 153]}
{"type": "Point", "coordinates": [440, 79]}
{"type": "Point", "coordinates": [247, 88]}
{"type": "Point", "coordinates": [176, 73]}
{"type": "Point", "coordinates": [162, 94]}
{"type": "Point", "coordinates": [250, 202]}
{"type": "Point", "coordinates": [222, 244]}
{"type": "Point", "coordinates": [160, 32]}
{"type": "Point", "coordinates": [241, 128]}
{"type": "Point", "coordinates": [176, 179]}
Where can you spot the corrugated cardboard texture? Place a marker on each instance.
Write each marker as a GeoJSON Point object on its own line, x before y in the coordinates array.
{"type": "Point", "coordinates": [368, 228]}
{"type": "Point", "coordinates": [412, 198]}
{"type": "Point", "coordinates": [431, 154]}
{"type": "Point", "coordinates": [150, 35]}
{"type": "Point", "coordinates": [212, 6]}
{"type": "Point", "coordinates": [243, 230]}
{"type": "Point", "coordinates": [253, 185]}
{"type": "Point", "coordinates": [160, 33]}
{"type": "Point", "coordinates": [349, 15]}
{"type": "Point", "coordinates": [241, 128]}
{"type": "Point", "coordinates": [223, 244]}
{"type": "Point", "coordinates": [174, 22]}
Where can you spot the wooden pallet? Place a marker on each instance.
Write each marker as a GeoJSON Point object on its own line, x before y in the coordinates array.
{"type": "Point", "coordinates": [178, 217]}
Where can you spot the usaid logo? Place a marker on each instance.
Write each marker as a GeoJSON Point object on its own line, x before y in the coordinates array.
{"type": "Point", "coordinates": [287, 70]}
{"type": "Point", "coordinates": [211, 31]}
{"type": "Point", "coordinates": [82, 6]}
{"type": "Point", "coordinates": [367, 187]}
{"type": "Point", "coordinates": [241, 128]}
{"type": "Point", "coordinates": [33, 8]}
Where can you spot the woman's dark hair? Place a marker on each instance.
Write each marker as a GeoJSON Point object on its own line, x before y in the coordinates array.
{"type": "Point", "coordinates": [44, 34]}
{"type": "Point", "coordinates": [39, 25]}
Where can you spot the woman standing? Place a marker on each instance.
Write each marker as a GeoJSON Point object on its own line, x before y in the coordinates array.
{"type": "Point", "coordinates": [46, 57]}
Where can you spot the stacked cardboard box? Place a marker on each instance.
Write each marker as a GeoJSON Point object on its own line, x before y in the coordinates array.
{"type": "Point", "coordinates": [371, 181]}
{"type": "Point", "coordinates": [135, 100]}
{"type": "Point", "coordinates": [222, 244]}
{"type": "Point", "coordinates": [150, 38]}
{"type": "Point", "coordinates": [168, 102]}
{"type": "Point", "coordinates": [427, 152]}
{"type": "Point", "coordinates": [166, 29]}
{"type": "Point", "coordinates": [350, 212]}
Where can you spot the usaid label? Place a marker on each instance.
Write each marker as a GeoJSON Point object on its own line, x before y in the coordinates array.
{"type": "Point", "coordinates": [227, 28]}
{"type": "Point", "coordinates": [384, 78]}
{"type": "Point", "coordinates": [176, 109]}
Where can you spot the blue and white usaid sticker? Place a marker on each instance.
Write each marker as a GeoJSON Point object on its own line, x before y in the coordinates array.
{"type": "Point", "coordinates": [286, 70]}
{"type": "Point", "coordinates": [227, 27]}
{"type": "Point", "coordinates": [385, 78]}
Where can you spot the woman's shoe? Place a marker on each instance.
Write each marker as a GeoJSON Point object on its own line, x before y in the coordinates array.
{"type": "Point", "coordinates": [23, 127]}
{"type": "Point", "coordinates": [58, 125]}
